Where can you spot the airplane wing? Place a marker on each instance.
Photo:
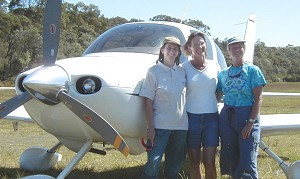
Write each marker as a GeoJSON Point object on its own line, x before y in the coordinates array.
{"type": "Point", "coordinates": [280, 94]}
{"type": "Point", "coordinates": [280, 124]}
{"type": "Point", "coordinates": [19, 114]}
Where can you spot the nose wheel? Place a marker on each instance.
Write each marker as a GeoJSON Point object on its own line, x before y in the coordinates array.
{"type": "Point", "coordinates": [40, 159]}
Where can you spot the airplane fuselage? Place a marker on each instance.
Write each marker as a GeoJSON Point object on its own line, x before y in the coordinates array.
{"type": "Point", "coordinates": [115, 64]}
{"type": "Point", "coordinates": [117, 101]}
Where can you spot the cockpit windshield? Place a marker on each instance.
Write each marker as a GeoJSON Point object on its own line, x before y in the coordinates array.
{"type": "Point", "coordinates": [134, 37]}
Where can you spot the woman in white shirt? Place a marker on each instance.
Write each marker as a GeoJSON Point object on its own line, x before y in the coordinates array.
{"type": "Point", "coordinates": [164, 98]}
{"type": "Point", "coordinates": [201, 106]}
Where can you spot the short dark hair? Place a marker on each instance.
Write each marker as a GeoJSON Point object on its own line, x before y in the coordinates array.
{"type": "Point", "coordinates": [189, 41]}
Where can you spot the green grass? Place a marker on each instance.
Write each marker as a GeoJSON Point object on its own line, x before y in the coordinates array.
{"type": "Point", "coordinates": [8, 82]}
{"type": "Point", "coordinates": [281, 104]}
{"type": "Point", "coordinates": [6, 94]}
{"type": "Point", "coordinates": [277, 105]}
{"type": "Point", "coordinates": [115, 166]}
{"type": "Point", "coordinates": [293, 87]}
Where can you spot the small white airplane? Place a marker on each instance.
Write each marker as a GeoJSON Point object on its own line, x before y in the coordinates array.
{"type": "Point", "coordinates": [95, 98]}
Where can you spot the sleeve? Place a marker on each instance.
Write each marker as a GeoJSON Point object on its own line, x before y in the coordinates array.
{"type": "Point", "coordinates": [149, 86]}
{"type": "Point", "coordinates": [258, 77]}
{"type": "Point", "coordinates": [219, 84]}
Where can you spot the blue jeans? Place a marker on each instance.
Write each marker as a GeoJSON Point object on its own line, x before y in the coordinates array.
{"type": "Point", "coordinates": [238, 156]}
{"type": "Point", "coordinates": [203, 130]}
{"type": "Point", "coordinates": [173, 144]}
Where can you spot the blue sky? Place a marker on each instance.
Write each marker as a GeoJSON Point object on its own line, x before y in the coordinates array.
{"type": "Point", "coordinates": [277, 21]}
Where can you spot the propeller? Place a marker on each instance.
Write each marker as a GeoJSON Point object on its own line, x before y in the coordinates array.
{"type": "Point", "coordinates": [13, 103]}
{"type": "Point", "coordinates": [52, 89]}
{"type": "Point", "coordinates": [95, 121]}
{"type": "Point", "coordinates": [51, 31]}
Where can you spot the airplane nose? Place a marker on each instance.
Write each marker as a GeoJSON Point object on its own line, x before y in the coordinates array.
{"type": "Point", "coordinates": [45, 83]}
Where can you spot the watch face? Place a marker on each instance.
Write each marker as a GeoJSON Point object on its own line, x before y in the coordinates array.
{"type": "Point", "coordinates": [251, 120]}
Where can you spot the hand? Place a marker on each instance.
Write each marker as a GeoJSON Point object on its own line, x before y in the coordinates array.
{"type": "Point", "coordinates": [247, 130]}
{"type": "Point", "coordinates": [151, 134]}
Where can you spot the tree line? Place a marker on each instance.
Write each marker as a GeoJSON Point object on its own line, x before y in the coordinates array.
{"type": "Point", "coordinates": [21, 38]}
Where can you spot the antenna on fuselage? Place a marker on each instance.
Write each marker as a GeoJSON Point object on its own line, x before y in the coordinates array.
{"type": "Point", "coordinates": [186, 7]}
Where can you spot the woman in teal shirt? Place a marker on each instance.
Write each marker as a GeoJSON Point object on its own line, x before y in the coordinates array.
{"type": "Point", "coordinates": [241, 84]}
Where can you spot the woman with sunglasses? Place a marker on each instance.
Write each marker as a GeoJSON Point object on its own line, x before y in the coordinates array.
{"type": "Point", "coordinates": [164, 98]}
{"type": "Point", "coordinates": [241, 84]}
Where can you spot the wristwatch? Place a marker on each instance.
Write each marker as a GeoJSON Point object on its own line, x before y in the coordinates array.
{"type": "Point", "coordinates": [251, 120]}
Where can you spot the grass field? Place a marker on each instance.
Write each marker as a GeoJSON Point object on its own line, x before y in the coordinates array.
{"type": "Point", "coordinates": [115, 166]}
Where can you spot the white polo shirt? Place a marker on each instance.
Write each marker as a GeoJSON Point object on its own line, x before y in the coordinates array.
{"type": "Point", "coordinates": [201, 88]}
{"type": "Point", "coordinates": [165, 86]}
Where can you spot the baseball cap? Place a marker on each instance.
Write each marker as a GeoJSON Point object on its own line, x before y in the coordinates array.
{"type": "Point", "coordinates": [173, 40]}
{"type": "Point", "coordinates": [235, 40]}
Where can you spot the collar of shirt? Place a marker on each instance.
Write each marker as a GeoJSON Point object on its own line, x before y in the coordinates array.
{"type": "Point", "coordinates": [165, 67]}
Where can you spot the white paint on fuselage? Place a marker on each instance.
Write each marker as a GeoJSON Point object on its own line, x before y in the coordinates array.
{"type": "Point", "coordinates": [121, 75]}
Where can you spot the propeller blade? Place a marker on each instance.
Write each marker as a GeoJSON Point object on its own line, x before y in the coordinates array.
{"type": "Point", "coordinates": [13, 103]}
{"type": "Point", "coordinates": [51, 31]}
{"type": "Point", "coordinates": [95, 121]}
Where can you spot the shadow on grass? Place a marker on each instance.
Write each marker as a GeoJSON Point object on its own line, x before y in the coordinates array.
{"type": "Point", "coordinates": [265, 155]}
{"type": "Point", "coordinates": [129, 173]}
{"type": "Point", "coordinates": [119, 173]}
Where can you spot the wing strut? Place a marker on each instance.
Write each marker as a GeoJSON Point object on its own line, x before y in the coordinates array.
{"type": "Point", "coordinates": [292, 171]}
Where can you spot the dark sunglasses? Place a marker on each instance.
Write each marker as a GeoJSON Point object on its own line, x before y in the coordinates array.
{"type": "Point", "coordinates": [235, 75]}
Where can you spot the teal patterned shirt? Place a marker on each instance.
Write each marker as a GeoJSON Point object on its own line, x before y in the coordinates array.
{"type": "Point", "coordinates": [237, 83]}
